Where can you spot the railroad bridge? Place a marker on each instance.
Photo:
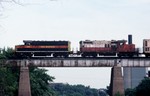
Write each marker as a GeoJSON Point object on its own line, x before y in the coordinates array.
{"type": "Point", "coordinates": [115, 62]}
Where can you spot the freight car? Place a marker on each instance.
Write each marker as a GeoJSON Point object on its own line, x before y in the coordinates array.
{"type": "Point", "coordinates": [43, 48]}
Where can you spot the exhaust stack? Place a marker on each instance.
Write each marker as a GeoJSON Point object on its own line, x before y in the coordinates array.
{"type": "Point", "coordinates": [129, 39]}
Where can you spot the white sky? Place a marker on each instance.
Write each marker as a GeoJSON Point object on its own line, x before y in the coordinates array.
{"type": "Point", "coordinates": [75, 20]}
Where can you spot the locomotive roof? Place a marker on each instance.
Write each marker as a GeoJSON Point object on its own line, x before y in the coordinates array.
{"type": "Point", "coordinates": [119, 41]}
{"type": "Point", "coordinates": [30, 41]}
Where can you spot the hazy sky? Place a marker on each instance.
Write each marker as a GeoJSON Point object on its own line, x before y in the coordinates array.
{"type": "Point", "coordinates": [75, 20]}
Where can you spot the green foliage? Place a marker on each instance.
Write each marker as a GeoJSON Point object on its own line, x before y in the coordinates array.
{"type": "Point", "coordinates": [7, 53]}
{"type": "Point", "coordinates": [9, 78]}
{"type": "Point", "coordinates": [9, 81]}
{"type": "Point", "coordinates": [75, 90]}
{"type": "Point", "coordinates": [130, 92]}
{"type": "Point", "coordinates": [39, 82]}
{"type": "Point", "coordinates": [143, 89]}
{"type": "Point", "coordinates": [38, 78]}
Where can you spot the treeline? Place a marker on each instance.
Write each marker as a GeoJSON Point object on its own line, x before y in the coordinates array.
{"type": "Point", "coordinates": [76, 90]}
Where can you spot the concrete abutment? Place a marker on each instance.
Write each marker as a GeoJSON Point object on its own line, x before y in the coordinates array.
{"type": "Point", "coordinates": [24, 82]}
{"type": "Point", "coordinates": [116, 84]}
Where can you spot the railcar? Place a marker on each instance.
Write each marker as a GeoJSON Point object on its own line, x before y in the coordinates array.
{"type": "Point", "coordinates": [43, 48]}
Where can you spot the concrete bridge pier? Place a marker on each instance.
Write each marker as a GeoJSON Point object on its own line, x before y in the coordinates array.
{"type": "Point", "coordinates": [116, 85]}
{"type": "Point", "coordinates": [24, 82]}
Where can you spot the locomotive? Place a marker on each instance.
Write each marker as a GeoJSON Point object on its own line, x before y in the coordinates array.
{"type": "Point", "coordinates": [107, 48]}
{"type": "Point", "coordinates": [88, 48]}
{"type": "Point", "coordinates": [43, 48]}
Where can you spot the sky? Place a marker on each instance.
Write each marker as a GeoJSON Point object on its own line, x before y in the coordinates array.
{"type": "Point", "coordinates": [75, 20]}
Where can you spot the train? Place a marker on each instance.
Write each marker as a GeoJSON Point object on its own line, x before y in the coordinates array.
{"type": "Point", "coordinates": [88, 48]}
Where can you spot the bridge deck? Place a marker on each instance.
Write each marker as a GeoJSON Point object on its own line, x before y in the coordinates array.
{"type": "Point", "coordinates": [81, 62]}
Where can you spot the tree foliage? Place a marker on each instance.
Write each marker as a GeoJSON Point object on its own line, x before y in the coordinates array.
{"type": "Point", "coordinates": [76, 90]}
{"type": "Point", "coordinates": [9, 79]}
{"type": "Point", "coordinates": [7, 53]}
{"type": "Point", "coordinates": [130, 92]}
{"type": "Point", "coordinates": [39, 82]}
{"type": "Point", "coordinates": [143, 89]}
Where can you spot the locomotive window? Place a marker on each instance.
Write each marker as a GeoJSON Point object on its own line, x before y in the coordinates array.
{"type": "Point", "coordinates": [145, 43]}
{"type": "Point", "coordinates": [147, 49]}
{"type": "Point", "coordinates": [106, 45]}
{"type": "Point", "coordinates": [88, 42]}
{"type": "Point", "coordinates": [121, 44]}
{"type": "Point", "coordinates": [27, 43]}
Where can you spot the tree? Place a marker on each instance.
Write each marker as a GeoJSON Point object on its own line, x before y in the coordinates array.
{"type": "Point", "coordinates": [40, 82]}
{"type": "Point", "coordinates": [130, 92]}
{"type": "Point", "coordinates": [108, 90]}
{"type": "Point", "coordinates": [10, 78]}
{"type": "Point", "coordinates": [143, 89]}
{"type": "Point", "coordinates": [9, 81]}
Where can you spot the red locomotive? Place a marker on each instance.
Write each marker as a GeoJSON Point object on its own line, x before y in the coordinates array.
{"type": "Point", "coordinates": [107, 48]}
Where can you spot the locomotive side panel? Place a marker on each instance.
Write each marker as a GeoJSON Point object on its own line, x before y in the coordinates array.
{"type": "Point", "coordinates": [127, 50]}
{"type": "Point", "coordinates": [44, 48]}
{"type": "Point", "coordinates": [93, 48]}
{"type": "Point", "coordinates": [41, 48]}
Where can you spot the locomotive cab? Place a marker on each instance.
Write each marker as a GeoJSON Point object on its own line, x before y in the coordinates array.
{"type": "Point", "coordinates": [127, 50]}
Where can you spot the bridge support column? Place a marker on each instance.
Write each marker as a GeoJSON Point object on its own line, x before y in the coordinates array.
{"type": "Point", "coordinates": [116, 85]}
{"type": "Point", "coordinates": [24, 82]}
